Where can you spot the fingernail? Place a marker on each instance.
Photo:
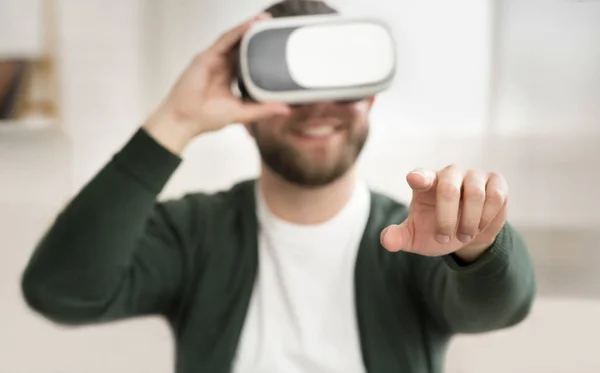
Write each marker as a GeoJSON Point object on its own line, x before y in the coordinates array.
{"type": "Point", "coordinates": [465, 237]}
{"type": "Point", "coordinates": [442, 238]}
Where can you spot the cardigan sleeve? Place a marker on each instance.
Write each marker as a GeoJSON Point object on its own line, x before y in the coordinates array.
{"type": "Point", "coordinates": [114, 251]}
{"type": "Point", "coordinates": [494, 292]}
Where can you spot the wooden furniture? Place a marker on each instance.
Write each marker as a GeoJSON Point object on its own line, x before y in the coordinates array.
{"type": "Point", "coordinates": [29, 93]}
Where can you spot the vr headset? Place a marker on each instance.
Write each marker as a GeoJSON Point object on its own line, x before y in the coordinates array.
{"type": "Point", "coordinates": [314, 58]}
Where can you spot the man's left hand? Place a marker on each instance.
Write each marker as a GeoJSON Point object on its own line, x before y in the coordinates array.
{"type": "Point", "coordinates": [452, 211]}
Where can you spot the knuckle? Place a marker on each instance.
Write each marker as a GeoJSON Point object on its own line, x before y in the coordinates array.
{"type": "Point", "coordinates": [446, 225]}
{"type": "Point", "coordinates": [199, 59]}
{"type": "Point", "coordinates": [452, 167]}
{"type": "Point", "coordinates": [499, 179]}
{"type": "Point", "coordinates": [496, 175]}
{"type": "Point", "coordinates": [204, 61]}
{"type": "Point", "coordinates": [448, 191]}
{"type": "Point", "coordinates": [474, 194]}
{"type": "Point", "coordinates": [469, 226]}
{"type": "Point", "coordinates": [476, 175]}
{"type": "Point", "coordinates": [495, 196]}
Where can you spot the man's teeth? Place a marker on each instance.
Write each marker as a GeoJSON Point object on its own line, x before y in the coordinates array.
{"type": "Point", "coordinates": [318, 131]}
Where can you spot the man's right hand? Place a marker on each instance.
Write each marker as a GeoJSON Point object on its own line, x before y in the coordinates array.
{"type": "Point", "coordinates": [202, 101]}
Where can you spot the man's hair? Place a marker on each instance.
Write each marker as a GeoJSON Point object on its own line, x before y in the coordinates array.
{"type": "Point", "coordinates": [292, 8]}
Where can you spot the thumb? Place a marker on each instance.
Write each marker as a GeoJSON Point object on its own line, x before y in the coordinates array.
{"type": "Point", "coordinates": [254, 112]}
{"type": "Point", "coordinates": [396, 238]}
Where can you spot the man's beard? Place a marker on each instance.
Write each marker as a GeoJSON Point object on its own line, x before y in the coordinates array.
{"type": "Point", "coordinates": [299, 169]}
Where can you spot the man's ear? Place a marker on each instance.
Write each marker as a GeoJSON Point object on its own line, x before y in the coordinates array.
{"type": "Point", "coordinates": [371, 100]}
{"type": "Point", "coordinates": [368, 101]}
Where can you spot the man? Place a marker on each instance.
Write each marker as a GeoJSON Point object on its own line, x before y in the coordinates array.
{"type": "Point", "coordinates": [301, 270]}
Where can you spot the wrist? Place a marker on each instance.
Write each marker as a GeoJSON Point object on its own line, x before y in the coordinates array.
{"type": "Point", "coordinates": [172, 133]}
{"type": "Point", "coordinates": [471, 253]}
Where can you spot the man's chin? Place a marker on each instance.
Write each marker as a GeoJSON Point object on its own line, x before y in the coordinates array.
{"type": "Point", "coordinates": [309, 169]}
{"type": "Point", "coordinates": [310, 177]}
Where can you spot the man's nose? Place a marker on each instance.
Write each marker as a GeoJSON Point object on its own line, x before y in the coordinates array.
{"type": "Point", "coordinates": [315, 108]}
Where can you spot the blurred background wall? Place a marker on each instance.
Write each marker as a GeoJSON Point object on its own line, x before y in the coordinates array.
{"type": "Point", "coordinates": [507, 85]}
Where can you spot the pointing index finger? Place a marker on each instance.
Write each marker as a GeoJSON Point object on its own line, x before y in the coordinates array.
{"type": "Point", "coordinates": [448, 196]}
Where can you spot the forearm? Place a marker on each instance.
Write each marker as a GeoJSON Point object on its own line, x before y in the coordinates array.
{"type": "Point", "coordinates": [82, 258]}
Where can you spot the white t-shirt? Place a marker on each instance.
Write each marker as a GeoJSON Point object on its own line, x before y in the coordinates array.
{"type": "Point", "coordinates": [302, 315]}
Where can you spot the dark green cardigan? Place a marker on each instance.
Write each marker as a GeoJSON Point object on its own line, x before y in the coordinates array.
{"type": "Point", "coordinates": [115, 252]}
